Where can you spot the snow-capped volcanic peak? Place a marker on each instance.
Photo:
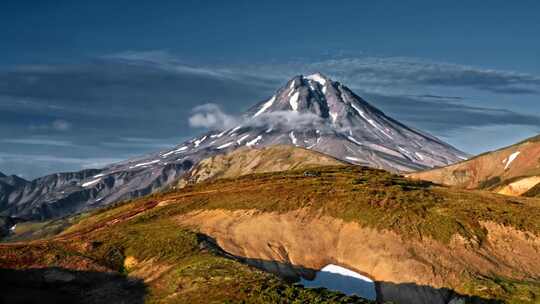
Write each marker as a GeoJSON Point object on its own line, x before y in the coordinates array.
{"type": "Point", "coordinates": [300, 94]}
{"type": "Point", "coordinates": [319, 95]}
{"type": "Point", "coordinates": [317, 113]}
{"type": "Point", "coordinates": [317, 77]}
{"type": "Point", "coordinates": [311, 111]}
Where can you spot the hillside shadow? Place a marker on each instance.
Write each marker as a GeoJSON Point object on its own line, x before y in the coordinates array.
{"type": "Point", "coordinates": [346, 284]}
{"type": "Point", "coordinates": [401, 293]}
{"type": "Point", "coordinates": [424, 294]}
{"type": "Point", "coordinates": [63, 286]}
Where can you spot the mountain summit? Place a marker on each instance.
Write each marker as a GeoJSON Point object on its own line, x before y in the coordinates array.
{"type": "Point", "coordinates": [317, 113]}
{"type": "Point", "coordinates": [311, 111]}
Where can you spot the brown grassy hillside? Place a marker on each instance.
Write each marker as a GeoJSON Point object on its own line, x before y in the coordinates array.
{"type": "Point", "coordinates": [251, 160]}
{"type": "Point", "coordinates": [421, 243]}
{"type": "Point", "coordinates": [513, 170]}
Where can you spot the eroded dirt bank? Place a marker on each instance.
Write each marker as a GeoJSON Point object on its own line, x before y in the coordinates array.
{"type": "Point", "coordinates": [407, 271]}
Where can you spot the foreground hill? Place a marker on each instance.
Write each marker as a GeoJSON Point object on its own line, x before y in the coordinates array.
{"type": "Point", "coordinates": [312, 112]}
{"type": "Point", "coordinates": [420, 243]}
{"type": "Point", "coordinates": [514, 170]}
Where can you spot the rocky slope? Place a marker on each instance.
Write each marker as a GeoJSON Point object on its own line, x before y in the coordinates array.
{"type": "Point", "coordinates": [317, 113]}
{"type": "Point", "coordinates": [514, 170]}
{"type": "Point", "coordinates": [419, 242]}
{"type": "Point", "coordinates": [313, 112]}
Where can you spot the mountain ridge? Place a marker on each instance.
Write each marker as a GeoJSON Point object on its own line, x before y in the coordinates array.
{"type": "Point", "coordinates": [512, 170]}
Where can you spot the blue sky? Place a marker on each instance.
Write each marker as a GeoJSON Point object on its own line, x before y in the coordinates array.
{"type": "Point", "coordinates": [86, 83]}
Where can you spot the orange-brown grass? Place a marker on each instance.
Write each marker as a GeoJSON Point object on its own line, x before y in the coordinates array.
{"type": "Point", "coordinates": [374, 198]}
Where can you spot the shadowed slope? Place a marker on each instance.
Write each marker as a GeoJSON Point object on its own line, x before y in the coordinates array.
{"type": "Point", "coordinates": [64, 286]}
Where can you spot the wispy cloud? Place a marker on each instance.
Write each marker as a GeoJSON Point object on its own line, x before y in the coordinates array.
{"type": "Point", "coordinates": [55, 125]}
{"type": "Point", "coordinates": [367, 72]}
{"type": "Point", "coordinates": [370, 73]}
{"type": "Point", "coordinates": [164, 60]}
{"type": "Point", "coordinates": [431, 96]}
{"type": "Point", "coordinates": [37, 141]}
{"type": "Point", "coordinates": [413, 71]}
{"type": "Point", "coordinates": [442, 116]}
{"type": "Point", "coordinates": [141, 143]}
{"type": "Point", "coordinates": [35, 165]}
{"type": "Point", "coordinates": [286, 119]}
{"type": "Point", "coordinates": [211, 116]}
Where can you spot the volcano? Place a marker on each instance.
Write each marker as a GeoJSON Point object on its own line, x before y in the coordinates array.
{"type": "Point", "coordinates": [311, 112]}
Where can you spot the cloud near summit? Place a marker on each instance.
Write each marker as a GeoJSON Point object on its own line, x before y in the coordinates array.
{"type": "Point", "coordinates": [211, 116]}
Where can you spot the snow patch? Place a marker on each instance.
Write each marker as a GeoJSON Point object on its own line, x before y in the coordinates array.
{"type": "Point", "coordinates": [265, 106]}
{"type": "Point", "coordinates": [175, 151]}
{"type": "Point", "coordinates": [12, 228]}
{"type": "Point", "coordinates": [370, 121]}
{"type": "Point", "coordinates": [355, 159]}
{"type": "Point", "coordinates": [199, 141]}
{"type": "Point", "coordinates": [292, 84]}
{"type": "Point", "coordinates": [511, 158]}
{"type": "Point", "coordinates": [385, 150]}
{"type": "Point", "coordinates": [357, 109]}
{"type": "Point", "coordinates": [339, 278]}
{"type": "Point", "coordinates": [334, 116]}
{"type": "Point", "coordinates": [98, 175]}
{"type": "Point", "coordinates": [221, 134]}
{"type": "Point", "coordinates": [234, 129]}
{"type": "Point", "coordinates": [254, 141]}
{"type": "Point", "coordinates": [293, 138]}
{"type": "Point", "coordinates": [90, 183]}
{"type": "Point", "coordinates": [241, 139]}
{"type": "Point", "coordinates": [317, 78]}
{"type": "Point", "coordinates": [291, 88]}
{"type": "Point", "coordinates": [225, 145]}
{"type": "Point", "coordinates": [354, 140]}
{"type": "Point", "coordinates": [404, 151]}
{"type": "Point", "coordinates": [293, 101]}
{"type": "Point", "coordinates": [144, 164]}
{"type": "Point", "coordinates": [344, 271]}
